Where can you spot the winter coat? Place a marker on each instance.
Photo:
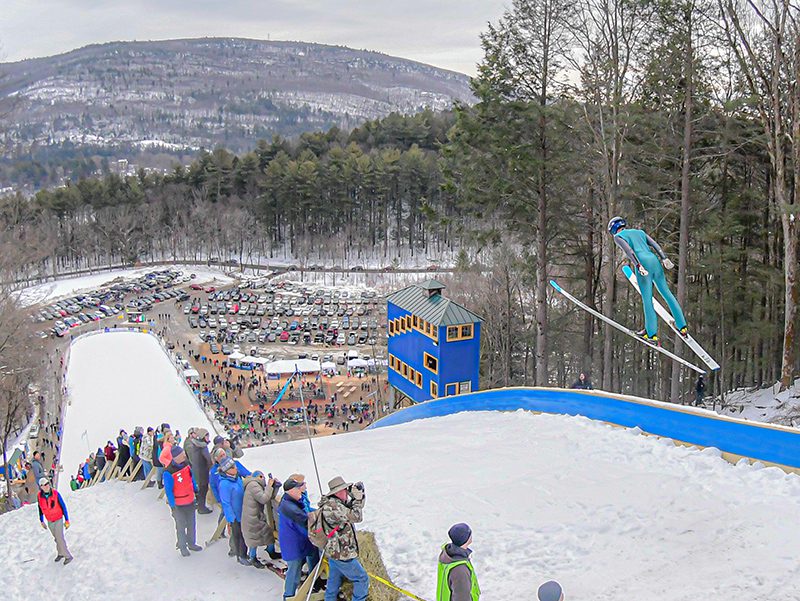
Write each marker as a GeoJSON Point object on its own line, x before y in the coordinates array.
{"type": "Point", "coordinates": [231, 497]}
{"type": "Point", "coordinates": [179, 485]}
{"type": "Point", "coordinates": [293, 530]}
{"type": "Point", "coordinates": [199, 458]}
{"type": "Point", "coordinates": [214, 476]}
{"type": "Point", "coordinates": [146, 449]}
{"type": "Point", "coordinates": [99, 461]}
{"type": "Point", "coordinates": [124, 452]}
{"type": "Point", "coordinates": [257, 525]}
{"type": "Point", "coordinates": [38, 470]}
{"type": "Point", "coordinates": [85, 471]}
{"type": "Point", "coordinates": [110, 452]}
{"type": "Point", "coordinates": [135, 442]}
{"type": "Point", "coordinates": [459, 580]}
{"type": "Point", "coordinates": [341, 516]}
{"type": "Point", "coordinates": [165, 456]}
{"type": "Point", "coordinates": [585, 384]}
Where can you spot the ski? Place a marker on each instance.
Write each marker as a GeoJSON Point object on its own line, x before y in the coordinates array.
{"type": "Point", "coordinates": [623, 329]}
{"type": "Point", "coordinates": [664, 314]}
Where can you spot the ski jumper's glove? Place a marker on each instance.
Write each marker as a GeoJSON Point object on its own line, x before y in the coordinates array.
{"type": "Point", "coordinates": [66, 525]}
{"type": "Point", "coordinates": [642, 271]}
{"type": "Point", "coordinates": [667, 263]}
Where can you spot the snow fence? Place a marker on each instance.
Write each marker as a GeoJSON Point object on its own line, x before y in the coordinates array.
{"type": "Point", "coordinates": [735, 438]}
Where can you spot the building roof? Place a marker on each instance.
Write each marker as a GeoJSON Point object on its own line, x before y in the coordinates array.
{"type": "Point", "coordinates": [434, 309]}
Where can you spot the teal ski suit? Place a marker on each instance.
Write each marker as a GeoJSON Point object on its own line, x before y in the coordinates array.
{"type": "Point", "coordinates": [642, 250]}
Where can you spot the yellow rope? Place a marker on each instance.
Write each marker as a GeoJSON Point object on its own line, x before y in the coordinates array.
{"type": "Point", "coordinates": [397, 588]}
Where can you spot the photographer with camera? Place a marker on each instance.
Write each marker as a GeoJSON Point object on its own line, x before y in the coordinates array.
{"type": "Point", "coordinates": [341, 508]}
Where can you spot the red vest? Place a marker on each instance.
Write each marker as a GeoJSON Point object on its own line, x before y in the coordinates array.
{"type": "Point", "coordinates": [183, 488]}
{"type": "Point", "coordinates": [51, 508]}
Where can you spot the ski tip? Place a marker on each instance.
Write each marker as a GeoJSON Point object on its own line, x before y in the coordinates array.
{"type": "Point", "coordinates": [554, 285]}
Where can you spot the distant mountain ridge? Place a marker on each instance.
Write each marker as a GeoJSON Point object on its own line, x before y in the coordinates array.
{"type": "Point", "coordinates": [180, 95]}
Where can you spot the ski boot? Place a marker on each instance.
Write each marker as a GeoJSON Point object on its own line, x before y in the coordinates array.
{"type": "Point", "coordinates": [649, 339]}
{"type": "Point", "coordinates": [684, 331]}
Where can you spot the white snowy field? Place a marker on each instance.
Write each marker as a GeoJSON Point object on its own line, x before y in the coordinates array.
{"type": "Point", "coordinates": [611, 514]}
{"type": "Point", "coordinates": [57, 289]}
{"type": "Point", "coordinates": [121, 380]}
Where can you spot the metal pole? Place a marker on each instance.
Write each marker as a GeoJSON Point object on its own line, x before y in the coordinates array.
{"type": "Point", "coordinates": [308, 428]}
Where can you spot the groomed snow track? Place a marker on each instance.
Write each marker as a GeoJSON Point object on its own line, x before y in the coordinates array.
{"type": "Point", "coordinates": [736, 438]}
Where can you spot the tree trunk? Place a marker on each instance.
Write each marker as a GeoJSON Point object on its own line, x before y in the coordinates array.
{"type": "Point", "coordinates": [683, 245]}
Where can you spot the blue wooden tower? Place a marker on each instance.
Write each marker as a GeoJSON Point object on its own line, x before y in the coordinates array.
{"type": "Point", "coordinates": [434, 344]}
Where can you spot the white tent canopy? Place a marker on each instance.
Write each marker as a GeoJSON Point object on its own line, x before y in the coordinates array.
{"type": "Point", "coordinates": [328, 365]}
{"type": "Point", "coordinates": [288, 366]}
{"type": "Point", "coordinates": [191, 373]}
{"type": "Point", "coordinates": [357, 363]}
{"type": "Point", "coordinates": [255, 360]}
{"type": "Point", "coordinates": [236, 356]}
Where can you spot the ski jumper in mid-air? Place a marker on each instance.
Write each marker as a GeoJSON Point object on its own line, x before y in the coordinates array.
{"type": "Point", "coordinates": [647, 258]}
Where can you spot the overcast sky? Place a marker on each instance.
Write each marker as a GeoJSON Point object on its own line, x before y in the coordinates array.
{"type": "Point", "coordinates": [439, 32]}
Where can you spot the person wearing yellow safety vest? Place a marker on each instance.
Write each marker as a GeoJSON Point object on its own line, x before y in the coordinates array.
{"type": "Point", "coordinates": [457, 580]}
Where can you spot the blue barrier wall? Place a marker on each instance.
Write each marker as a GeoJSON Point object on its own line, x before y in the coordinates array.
{"type": "Point", "coordinates": [764, 442]}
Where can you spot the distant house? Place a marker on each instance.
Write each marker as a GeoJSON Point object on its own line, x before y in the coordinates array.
{"type": "Point", "coordinates": [434, 344]}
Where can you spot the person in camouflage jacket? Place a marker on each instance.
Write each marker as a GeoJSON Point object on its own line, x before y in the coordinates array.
{"type": "Point", "coordinates": [341, 508]}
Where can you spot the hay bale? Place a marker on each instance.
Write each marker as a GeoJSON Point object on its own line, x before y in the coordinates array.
{"type": "Point", "coordinates": [370, 557]}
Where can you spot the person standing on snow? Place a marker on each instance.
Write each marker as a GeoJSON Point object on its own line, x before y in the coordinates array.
{"type": "Point", "coordinates": [258, 528]}
{"type": "Point", "coordinates": [53, 511]}
{"type": "Point", "coordinates": [296, 548]}
{"type": "Point", "coordinates": [146, 452]}
{"type": "Point", "coordinates": [38, 467]}
{"type": "Point", "coordinates": [456, 577]}
{"type": "Point", "coordinates": [699, 391]}
{"type": "Point", "coordinates": [179, 488]}
{"type": "Point", "coordinates": [201, 462]}
{"type": "Point", "coordinates": [649, 262]}
{"type": "Point", "coordinates": [341, 509]}
{"type": "Point", "coordinates": [582, 383]}
{"type": "Point", "coordinates": [231, 496]}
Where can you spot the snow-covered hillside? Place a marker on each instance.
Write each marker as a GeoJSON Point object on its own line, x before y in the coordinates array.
{"type": "Point", "coordinates": [765, 405]}
{"type": "Point", "coordinates": [611, 514]}
{"type": "Point", "coordinates": [121, 380]}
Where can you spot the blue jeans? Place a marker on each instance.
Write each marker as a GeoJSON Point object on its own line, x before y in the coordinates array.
{"type": "Point", "coordinates": [146, 467]}
{"type": "Point", "coordinates": [294, 572]}
{"type": "Point", "coordinates": [353, 571]}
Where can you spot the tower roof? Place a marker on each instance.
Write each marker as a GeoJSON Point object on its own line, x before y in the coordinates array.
{"type": "Point", "coordinates": [425, 301]}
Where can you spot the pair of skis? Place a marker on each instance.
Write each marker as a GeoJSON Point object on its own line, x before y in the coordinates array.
{"type": "Point", "coordinates": [662, 312]}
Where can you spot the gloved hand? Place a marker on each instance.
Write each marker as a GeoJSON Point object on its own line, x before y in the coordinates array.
{"type": "Point", "coordinates": [667, 264]}
{"type": "Point", "coordinates": [66, 525]}
{"type": "Point", "coordinates": [358, 491]}
{"type": "Point", "coordinates": [44, 527]}
{"type": "Point", "coordinates": [642, 271]}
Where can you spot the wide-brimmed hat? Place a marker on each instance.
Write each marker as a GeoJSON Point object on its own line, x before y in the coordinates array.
{"type": "Point", "coordinates": [336, 485]}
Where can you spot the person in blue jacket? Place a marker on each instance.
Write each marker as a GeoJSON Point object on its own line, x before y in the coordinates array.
{"type": "Point", "coordinates": [231, 496]}
{"type": "Point", "coordinates": [648, 261]}
{"type": "Point", "coordinates": [296, 549]}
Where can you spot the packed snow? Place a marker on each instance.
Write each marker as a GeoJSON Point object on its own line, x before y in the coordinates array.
{"type": "Point", "coordinates": [121, 380]}
{"type": "Point", "coordinates": [610, 513]}
{"type": "Point", "coordinates": [51, 291]}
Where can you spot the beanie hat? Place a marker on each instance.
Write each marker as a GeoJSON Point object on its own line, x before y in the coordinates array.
{"type": "Point", "coordinates": [459, 534]}
{"type": "Point", "coordinates": [226, 464]}
{"type": "Point", "coordinates": [550, 591]}
{"type": "Point", "coordinates": [175, 450]}
{"type": "Point", "coordinates": [218, 440]}
{"type": "Point", "coordinates": [43, 481]}
{"type": "Point", "coordinates": [292, 483]}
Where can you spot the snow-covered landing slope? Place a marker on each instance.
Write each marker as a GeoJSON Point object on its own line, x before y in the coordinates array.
{"type": "Point", "coordinates": [611, 514]}
{"type": "Point", "coordinates": [121, 380]}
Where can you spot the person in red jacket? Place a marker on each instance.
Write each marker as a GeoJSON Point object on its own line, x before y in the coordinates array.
{"type": "Point", "coordinates": [53, 510]}
{"type": "Point", "coordinates": [180, 489]}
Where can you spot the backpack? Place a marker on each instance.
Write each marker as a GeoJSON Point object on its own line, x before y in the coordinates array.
{"type": "Point", "coordinates": [316, 529]}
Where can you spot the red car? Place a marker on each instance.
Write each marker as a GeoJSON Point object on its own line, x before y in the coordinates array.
{"type": "Point", "coordinates": [195, 308]}
{"type": "Point", "coordinates": [284, 336]}
{"type": "Point", "coordinates": [196, 287]}
{"type": "Point", "coordinates": [211, 289]}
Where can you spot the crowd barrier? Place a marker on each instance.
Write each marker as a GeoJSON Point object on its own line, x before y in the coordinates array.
{"type": "Point", "coordinates": [735, 438]}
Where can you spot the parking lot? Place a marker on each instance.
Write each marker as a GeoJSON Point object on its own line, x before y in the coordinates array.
{"type": "Point", "coordinates": [204, 324]}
